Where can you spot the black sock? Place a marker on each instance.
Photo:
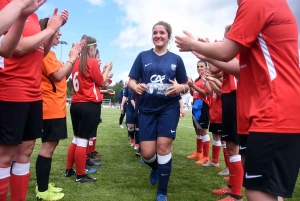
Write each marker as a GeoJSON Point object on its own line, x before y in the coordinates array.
{"type": "Point", "coordinates": [42, 168]}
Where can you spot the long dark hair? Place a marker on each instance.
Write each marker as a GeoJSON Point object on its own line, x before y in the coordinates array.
{"type": "Point", "coordinates": [205, 63]}
{"type": "Point", "coordinates": [89, 41]}
{"type": "Point", "coordinates": [43, 23]}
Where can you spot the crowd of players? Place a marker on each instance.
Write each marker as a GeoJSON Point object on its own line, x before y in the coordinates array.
{"type": "Point", "coordinates": [240, 95]}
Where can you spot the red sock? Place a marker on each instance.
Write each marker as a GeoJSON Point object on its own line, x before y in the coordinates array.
{"type": "Point", "coordinates": [70, 156]}
{"type": "Point", "coordinates": [94, 145]}
{"type": "Point", "coordinates": [236, 175]}
{"type": "Point", "coordinates": [215, 153]}
{"type": "Point", "coordinates": [206, 146]}
{"type": "Point", "coordinates": [226, 157]}
{"type": "Point", "coordinates": [5, 172]}
{"type": "Point", "coordinates": [199, 145]}
{"type": "Point", "coordinates": [230, 179]}
{"type": "Point", "coordinates": [80, 160]}
{"type": "Point", "coordinates": [19, 187]}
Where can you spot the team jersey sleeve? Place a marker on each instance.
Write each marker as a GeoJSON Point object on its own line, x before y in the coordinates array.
{"type": "Point", "coordinates": [51, 64]}
{"type": "Point", "coordinates": [136, 69]}
{"type": "Point", "coordinates": [181, 76]}
{"type": "Point", "coordinates": [250, 20]}
{"type": "Point", "coordinates": [126, 92]}
{"type": "Point", "coordinates": [96, 73]}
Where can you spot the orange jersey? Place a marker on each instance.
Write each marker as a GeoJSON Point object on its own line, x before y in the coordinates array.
{"type": "Point", "coordinates": [20, 76]}
{"type": "Point", "coordinates": [86, 87]}
{"type": "Point", "coordinates": [228, 84]}
{"type": "Point", "coordinates": [269, 75]}
{"type": "Point", "coordinates": [54, 93]}
{"type": "Point", "coordinates": [215, 112]}
{"type": "Point", "coordinates": [201, 85]}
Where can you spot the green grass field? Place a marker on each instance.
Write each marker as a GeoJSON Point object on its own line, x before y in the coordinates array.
{"type": "Point", "coordinates": [123, 178]}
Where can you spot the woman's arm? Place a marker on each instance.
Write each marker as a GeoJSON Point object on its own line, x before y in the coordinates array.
{"type": "Point", "coordinates": [12, 38]}
{"type": "Point", "coordinates": [30, 43]}
{"type": "Point", "coordinates": [66, 70]}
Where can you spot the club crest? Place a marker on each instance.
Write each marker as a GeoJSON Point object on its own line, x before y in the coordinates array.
{"type": "Point", "coordinates": [173, 67]}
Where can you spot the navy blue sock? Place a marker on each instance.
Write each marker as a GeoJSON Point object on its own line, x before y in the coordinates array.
{"type": "Point", "coordinates": [164, 172]}
{"type": "Point", "coordinates": [137, 137]}
{"type": "Point", "coordinates": [153, 164]}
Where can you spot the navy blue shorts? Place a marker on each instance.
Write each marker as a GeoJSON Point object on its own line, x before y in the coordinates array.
{"type": "Point", "coordinates": [162, 124]}
{"type": "Point", "coordinates": [130, 115]}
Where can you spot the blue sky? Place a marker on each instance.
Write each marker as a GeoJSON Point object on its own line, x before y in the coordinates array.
{"type": "Point", "coordinates": [123, 27]}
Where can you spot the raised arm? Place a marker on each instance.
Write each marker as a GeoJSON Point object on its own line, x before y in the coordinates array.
{"type": "Point", "coordinates": [19, 14]}
{"type": "Point", "coordinates": [30, 43]}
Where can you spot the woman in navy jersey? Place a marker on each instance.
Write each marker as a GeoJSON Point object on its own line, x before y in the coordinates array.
{"type": "Point", "coordinates": [159, 109]}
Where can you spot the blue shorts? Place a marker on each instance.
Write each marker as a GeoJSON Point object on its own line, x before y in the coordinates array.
{"type": "Point", "coordinates": [163, 124]}
{"type": "Point", "coordinates": [129, 115]}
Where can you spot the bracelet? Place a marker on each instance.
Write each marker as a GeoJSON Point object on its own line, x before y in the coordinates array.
{"type": "Point", "coordinates": [70, 62]}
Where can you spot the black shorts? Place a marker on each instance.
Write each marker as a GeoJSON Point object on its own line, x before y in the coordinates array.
{"type": "Point", "coordinates": [20, 121]}
{"type": "Point", "coordinates": [85, 119]}
{"type": "Point", "coordinates": [272, 163]}
{"type": "Point", "coordinates": [229, 124]}
{"type": "Point", "coordinates": [54, 129]}
{"type": "Point", "coordinates": [243, 144]}
{"type": "Point", "coordinates": [215, 128]}
{"type": "Point", "coordinates": [204, 118]}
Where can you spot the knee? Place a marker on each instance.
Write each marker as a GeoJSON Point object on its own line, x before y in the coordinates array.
{"type": "Point", "coordinates": [147, 154]}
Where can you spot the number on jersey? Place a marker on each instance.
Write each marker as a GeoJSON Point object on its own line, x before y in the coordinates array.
{"type": "Point", "coordinates": [75, 82]}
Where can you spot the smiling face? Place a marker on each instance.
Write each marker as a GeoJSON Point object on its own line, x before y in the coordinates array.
{"type": "Point", "coordinates": [160, 36]}
{"type": "Point", "coordinates": [56, 38]}
{"type": "Point", "coordinates": [201, 68]}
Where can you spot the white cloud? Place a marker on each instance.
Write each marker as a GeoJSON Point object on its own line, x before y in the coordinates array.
{"type": "Point", "coordinates": [201, 18]}
{"type": "Point", "coordinates": [123, 76]}
{"type": "Point", "coordinates": [96, 2]}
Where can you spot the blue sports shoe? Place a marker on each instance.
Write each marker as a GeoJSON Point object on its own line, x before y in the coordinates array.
{"type": "Point", "coordinates": [153, 177]}
{"type": "Point", "coordinates": [161, 197]}
{"type": "Point", "coordinates": [90, 170]}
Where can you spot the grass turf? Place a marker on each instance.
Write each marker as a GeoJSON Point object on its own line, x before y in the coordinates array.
{"type": "Point", "coordinates": [123, 178]}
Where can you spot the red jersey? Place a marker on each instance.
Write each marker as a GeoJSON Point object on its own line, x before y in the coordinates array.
{"type": "Point", "coordinates": [270, 59]}
{"type": "Point", "coordinates": [86, 87]}
{"type": "Point", "coordinates": [228, 84]}
{"type": "Point", "coordinates": [215, 112]}
{"type": "Point", "coordinates": [20, 76]}
{"type": "Point", "coordinates": [201, 85]}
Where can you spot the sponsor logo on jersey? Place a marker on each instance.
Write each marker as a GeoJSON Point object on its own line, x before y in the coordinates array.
{"type": "Point", "coordinates": [157, 78]}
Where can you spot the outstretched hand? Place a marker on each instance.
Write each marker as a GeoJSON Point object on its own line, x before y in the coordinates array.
{"type": "Point", "coordinates": [76, 49]}
{"type": "Point", "coordinates": [31, 6]}
{"type": "Point", "coordinates": [57, 20]}
{"type": "Point", "coordinates": [184, 43]}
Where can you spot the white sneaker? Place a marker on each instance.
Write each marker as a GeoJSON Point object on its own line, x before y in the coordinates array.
{"type": "Point", "coordinates": [121, 126]}
{"type": "Point", "coordinates": [211, 164]}
{"type": "Point", "coordinates": [224, 172]}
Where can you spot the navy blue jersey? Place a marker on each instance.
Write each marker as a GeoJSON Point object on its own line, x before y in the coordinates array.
{"type": "Point", "coordinates": [128, 95]}
{"type": "Point", "coordinates": [154, 70]}
{"type": "Point", "coordinates": [121, 94]}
